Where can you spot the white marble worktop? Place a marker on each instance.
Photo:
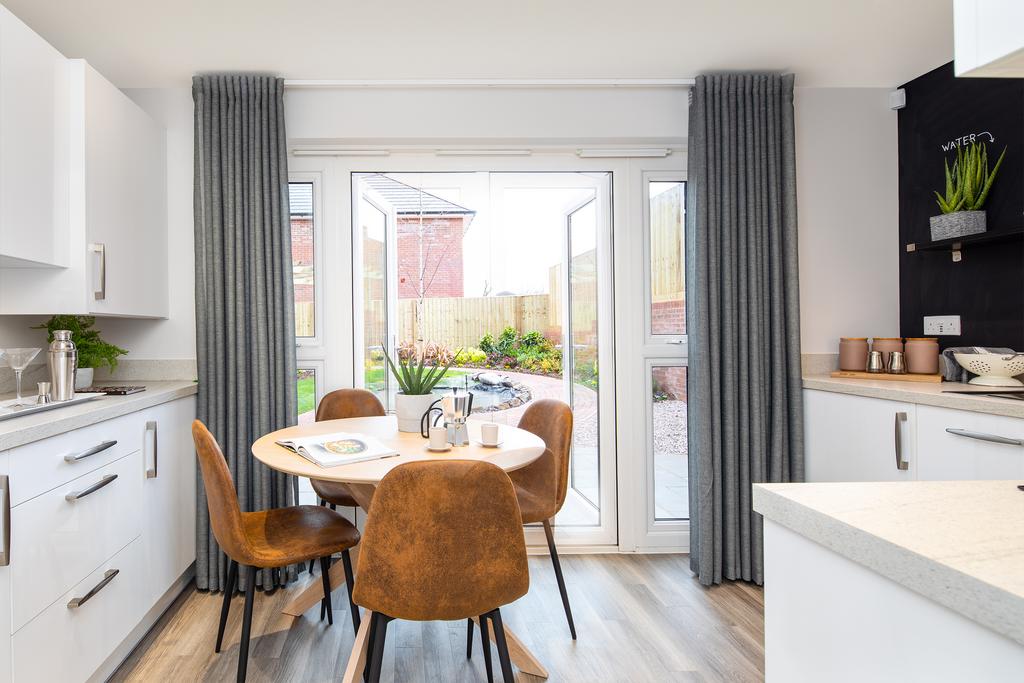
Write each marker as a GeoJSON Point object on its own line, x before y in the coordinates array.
{"type": "Point", "coordinates": [18, 431]}
{"type": "Point", "coordinates": [959, 544]}
{"type": "Point", "coordinates": [924, 393]}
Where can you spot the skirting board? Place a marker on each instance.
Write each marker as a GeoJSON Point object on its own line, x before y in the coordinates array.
{"type": "Point", "coordinates": [126, 647]}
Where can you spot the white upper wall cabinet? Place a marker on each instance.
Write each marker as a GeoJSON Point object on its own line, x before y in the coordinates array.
{"type": "Point", "coordinates": [988, 38]}
{"type": "Point", "coordinates": [111, 251]}
{"type": "Point", "coordinates": [33, 148]}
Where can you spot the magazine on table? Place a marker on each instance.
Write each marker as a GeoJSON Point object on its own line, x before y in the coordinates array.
{"type": "Point", "coordinates": [341, 448]}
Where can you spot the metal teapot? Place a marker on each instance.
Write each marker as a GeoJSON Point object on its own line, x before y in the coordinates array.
{"type": "Point", "coordinates": [454, 408]}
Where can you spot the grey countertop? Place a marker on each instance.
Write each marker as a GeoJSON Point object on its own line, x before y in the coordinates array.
{"type": "Point", "coordinates": [18, 431]}
{"type": "Point", "coordinates": [957, 543]}
{"type": "Point", "coordinates": [925, 393]}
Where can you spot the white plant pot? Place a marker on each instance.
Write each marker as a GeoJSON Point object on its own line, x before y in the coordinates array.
{"type": "Point", "coordinates": [410, 408]}
{"type": "Point", "coordinates": [83, 378]}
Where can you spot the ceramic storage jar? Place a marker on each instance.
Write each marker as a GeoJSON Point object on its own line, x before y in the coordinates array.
{"type": "Point", "coordinates": [853, 353]}
{"type": "Point", "coordinates": [886, 345]}
{"type": "Point", "coordinates": [922, 355]}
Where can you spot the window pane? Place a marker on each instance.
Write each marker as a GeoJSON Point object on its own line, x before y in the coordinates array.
{"type": "Point", "coordinates": [667, 237]}
{"type": "Point", "coordinates": [585, 457]}
{"type": "Point", "coordinates": [300, 202]}
{"type": "Point", "coordinates": [668, 434]}
{"type": "Point", "coordinates": [375, 312]}
{"type": "Point", "coordinates": [305, 387]}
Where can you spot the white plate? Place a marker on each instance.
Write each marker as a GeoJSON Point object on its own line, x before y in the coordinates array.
{"type": "Point", "coordinates": [438, 450]}
{"type": "Point", "coordinates": [489, 445]}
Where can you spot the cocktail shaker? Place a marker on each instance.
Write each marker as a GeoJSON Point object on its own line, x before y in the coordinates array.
{"type": "Point", "coordinates": [63, 363]}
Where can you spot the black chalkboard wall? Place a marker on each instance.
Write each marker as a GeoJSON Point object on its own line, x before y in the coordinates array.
{"type": "Point", "coordinates": [986, 288]}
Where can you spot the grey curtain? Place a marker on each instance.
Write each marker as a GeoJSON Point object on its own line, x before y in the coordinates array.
{"type": "Point", "coordinates": [245, 317]}
{"type": "Point", "coordinates": [745, 414]}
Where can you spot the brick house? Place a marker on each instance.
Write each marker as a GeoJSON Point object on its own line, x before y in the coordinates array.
{"type": "Point", "coordinates": [429, 233]}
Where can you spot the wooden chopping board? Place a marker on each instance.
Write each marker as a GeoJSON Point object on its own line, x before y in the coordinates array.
{"type": "Point", "coordinates": [853, 374]}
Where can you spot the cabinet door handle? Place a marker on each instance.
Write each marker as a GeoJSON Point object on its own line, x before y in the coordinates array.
{"type": "Point", "coordinates": [982, 436]}
{"type": "Point", "coordinates": [82, 455]}
{"type": "Point", "coordinates": [5, 491]}
{"type": "Point", "coordinates": [101, 293]}
{"type": "Point", "coordinates": [901, 464]}
{"type": "Point", "coordinates": [151, 427]}
{"type": "Point", "coordinates": [76, 495]}
{"type": "Point", "coordinates": [108, 576]}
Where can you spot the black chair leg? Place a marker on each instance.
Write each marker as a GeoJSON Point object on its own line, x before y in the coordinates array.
{"type": "Point", "coordinates": [499, 638]}
{"type": "Point", "coordinates": [558, 576]}
{"type": "Point", "coordinates": [243, 645]}
{"type": "Point", "coordinates": [346, 559]}
{"type": "Point", "coordinates": [469, 639]}
{"type": "Point", "coordinates": [325, 571]}
{"type": "Point", "coordinates": [485, 643]}
{"type": "Point", "coordinates": [229, 590]}
{"type": "Point", "coordinates": [322, 503]}
{"type": "Point", "coordinates": [379, 635]}
{"type": "Point", "coordinates": [369, 649]}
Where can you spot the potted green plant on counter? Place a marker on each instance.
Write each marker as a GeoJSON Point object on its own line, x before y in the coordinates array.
{"type": "Point", "coordinates": [416, 381]}
{"type": "Point", "coordinates": [93, 352]}
{"type": "Point", "coordinates": [967, 187]}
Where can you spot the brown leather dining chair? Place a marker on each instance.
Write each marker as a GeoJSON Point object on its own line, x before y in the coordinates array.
{"type": "Point", "coordinates": [267, 539]}
{"type": "Point", "coordinates": [337, 405]}
{"type": "Point", "coordinates": [443, 541]}
{"type": "Point", "coordinates": [541, 486]}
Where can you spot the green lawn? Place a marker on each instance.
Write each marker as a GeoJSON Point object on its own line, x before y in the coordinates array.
{"type": "Point", "coordinates": [307, 394]}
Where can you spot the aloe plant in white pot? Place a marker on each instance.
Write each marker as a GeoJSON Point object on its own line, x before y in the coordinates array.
{"type": "Point", "coordinates": [967, 187]}
{"type": "Point", "coordinates": [416, 380]}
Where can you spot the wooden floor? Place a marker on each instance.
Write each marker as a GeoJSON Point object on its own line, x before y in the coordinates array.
{"type": "Point", "coordinates": [639, 618]}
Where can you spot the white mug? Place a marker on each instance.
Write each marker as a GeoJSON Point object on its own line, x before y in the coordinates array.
{"type": "Point", "coordinates": [489, 434]}
{"type": "Point", "coordinates": [438, 438]}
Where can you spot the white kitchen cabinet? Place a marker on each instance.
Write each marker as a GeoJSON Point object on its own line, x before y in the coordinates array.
{"type": "Point", "coordinates": [116, 208]}
{"type": "Point", "coordinates": [127, 541]}
{"type": "Point", "coordinates": [168, 494]}
{"type": "Point", "coordinates": [956, 444]}
{"type": "Point", "coordinates": [34, 159]}
{"type": "Point", "coordinates": [988, 38]}
{"type": "Point", "coordinates": [854, 438]}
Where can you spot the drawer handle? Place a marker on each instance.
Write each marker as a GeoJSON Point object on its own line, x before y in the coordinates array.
{"type": "Point", "coordinates": [98, 448]}
{"type": "Point", "coordinates": [108, 576]}
{"type": "Point", "coordinates": [151, 472]}
{"type": "Point", "coordinates": [76, 495]}
{"type": "Point", "coordinates": [982, 436]}
{"type": "Point", "coordinates": [901, 464]}
{"type": "Point", "coordinates": [5, 491]}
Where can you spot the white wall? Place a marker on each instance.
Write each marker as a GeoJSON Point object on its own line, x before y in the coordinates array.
{"type": "Point", "coordinates": [846, 166]}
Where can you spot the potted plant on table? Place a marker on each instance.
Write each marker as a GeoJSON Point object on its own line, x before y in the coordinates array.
{"type": "Point", "coordinates": [416, 381]}
{"type": "Point", "coordinates": [93, 352]}
{"type": "Point", "coordinates": [967, 187]}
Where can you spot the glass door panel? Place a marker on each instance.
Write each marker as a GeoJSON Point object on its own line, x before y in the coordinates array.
{"type": "Point", "coordinates": [373, 231]}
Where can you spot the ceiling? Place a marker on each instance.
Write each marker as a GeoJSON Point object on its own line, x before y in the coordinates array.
{"type": "Point", "coordinates": [156, 43]}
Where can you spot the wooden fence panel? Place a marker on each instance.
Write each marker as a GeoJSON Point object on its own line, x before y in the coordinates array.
{"type": "Point", "coordinates": [462, 321]}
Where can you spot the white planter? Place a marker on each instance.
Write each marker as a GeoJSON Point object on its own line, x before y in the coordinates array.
{"type": "Point", "coordinates": [83, 378]}
{"type": "Point", "coordinates": [409, 409]}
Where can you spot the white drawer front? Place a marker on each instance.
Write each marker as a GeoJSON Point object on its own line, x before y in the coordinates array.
{"type": "Point", "coordinates": [41, 466]}
{"type": "Point", "coordinates": [68, 644]}
{"type": "Point", "coordinates": [56, 542]}
{"type": "Point", "coordinates": [975, 452]}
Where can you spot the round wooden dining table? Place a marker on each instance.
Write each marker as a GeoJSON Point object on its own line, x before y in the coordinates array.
{"type": "Point", "coordinates": [517, 448]}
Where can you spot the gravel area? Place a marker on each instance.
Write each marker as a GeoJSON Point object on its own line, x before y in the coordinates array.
{"type": "Point", "coordinates": [670, 428]}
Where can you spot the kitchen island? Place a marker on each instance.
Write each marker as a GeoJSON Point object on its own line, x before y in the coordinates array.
{"type": "Point", "coordinates": [893, 581]}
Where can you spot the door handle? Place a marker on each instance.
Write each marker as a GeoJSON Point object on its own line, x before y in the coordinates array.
{"type": "Point", "coordinates": [151, 472]}
{"type": "Point", "coordinates": [108, 576]}
{"type": "Point", "coordinates": [901, 464]}
{"type": "Point", "coordinates": [101, 249]}
{"type": "Point", "coordinates": [77, 495]}
{"type": "Point", "coordinates": [5, 491]}
{"type": "Point", "coordinates": [82, 455]}
{"type": "Point", "coordinates": [982, 436]}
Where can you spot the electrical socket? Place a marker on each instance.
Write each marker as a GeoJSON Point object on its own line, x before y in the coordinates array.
{"type": "Point", "coordinates": [942, 325]}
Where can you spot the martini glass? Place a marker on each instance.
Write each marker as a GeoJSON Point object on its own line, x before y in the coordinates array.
{"type": "Point", "coordinates": [19, 359]}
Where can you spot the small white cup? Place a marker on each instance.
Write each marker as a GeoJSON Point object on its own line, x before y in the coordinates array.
{"type": "Point", "coordinates": [438, 438]}
{"type": "Point", "coordinates": [489, 434]}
